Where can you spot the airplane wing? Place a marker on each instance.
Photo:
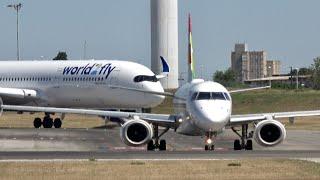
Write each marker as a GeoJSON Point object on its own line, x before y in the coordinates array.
{"type": "Point", "coordinates": [163, 120]}
{"type": "Point", "coordinates": [18, 93]}
{"type": "Point", "coordinates": [249, 118]}
{"type": "Point", "coordinates": [249, 89]}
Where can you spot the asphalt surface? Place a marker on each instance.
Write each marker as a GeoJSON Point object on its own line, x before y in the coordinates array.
{"type": "Point", "coordinates": [174, 155]}
{"type": "Point", "coordinates": [106, 144]}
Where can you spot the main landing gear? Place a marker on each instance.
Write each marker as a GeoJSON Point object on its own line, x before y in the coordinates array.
{"type": "Point", "coordinates": [209, 141]}
{"type": "Point", "coordinates": [154, 143]}
{"type": "Point", "coordinates": [245, 141]}
{"type": "Point", "coordinates": [47, 122]}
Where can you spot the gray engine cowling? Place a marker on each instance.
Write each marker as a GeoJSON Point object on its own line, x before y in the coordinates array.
{"type": "Point", "coordinates": [136, 132]}
{"type": "Point", "coordinates": [269, 133]}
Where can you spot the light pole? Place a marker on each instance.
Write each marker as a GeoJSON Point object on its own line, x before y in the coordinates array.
{"type": "Point", "coordinates": [270, 75]}
{"type": "Point", "coordinates": [17, 8]}
{"type": "Point", "coordinates": [297, 78]}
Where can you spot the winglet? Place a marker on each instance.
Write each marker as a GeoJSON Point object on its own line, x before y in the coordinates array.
{"type": "Point", "coordinates": [165, 66]}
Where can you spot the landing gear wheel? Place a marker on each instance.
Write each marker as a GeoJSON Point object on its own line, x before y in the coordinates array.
{"type": "Point", "coordinates": [249, 145]}
{"type": "Point", "coordinates": [212, 148]}
{"type": "Point", "coordinates": [162, 145]}
{"type": "Point", "coordinates": [57, 123]}
{"type": "Point", "coordinates": [37, 122]}
{"type": "Point", "coordinates": [237, 145]}
{"type": "Point", "coordinates": [206, 147]}
{"type": "Point", "coordinates": [47, 122]}
{"type": "Point", "coordinates": [245, 141]}
{"type": "Point", "coordinates": [150, 146]}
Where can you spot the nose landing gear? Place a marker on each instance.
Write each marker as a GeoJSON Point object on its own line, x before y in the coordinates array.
{"type": "Point", "coordinates": [209, 141]}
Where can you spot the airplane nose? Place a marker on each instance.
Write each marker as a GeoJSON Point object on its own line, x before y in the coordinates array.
{"type": "Point", "coordinates": [155, 99]}
{"type": "Point", "coordinates": [210, 116]}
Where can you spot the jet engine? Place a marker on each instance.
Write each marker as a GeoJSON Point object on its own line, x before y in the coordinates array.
{"type": "Point", "coordinates": [269, 133]}
{"type": "Point", "coordinates": [136, 132]}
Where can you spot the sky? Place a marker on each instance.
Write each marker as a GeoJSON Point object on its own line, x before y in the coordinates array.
{"type": "Point", "coordinates": [120, 29]}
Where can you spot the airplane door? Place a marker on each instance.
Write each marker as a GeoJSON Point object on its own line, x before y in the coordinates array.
{"type": "Point", "coordinates": [114, 78]}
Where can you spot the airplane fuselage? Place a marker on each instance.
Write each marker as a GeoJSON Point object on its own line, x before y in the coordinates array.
{"type": "Point", "coordinates": [86, 84]}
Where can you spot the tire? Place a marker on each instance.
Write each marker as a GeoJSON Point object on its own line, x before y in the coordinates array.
{"type": "Point", "coordinates": [37, 122]}
{"type": "Point", "coordinates": [47, 122]}
{"type": "Point", "coordinates": [206, 147]}
{"type": "Point", "coordinates": [57, 123]}
{"type": "Point", "coordinates": [236, 145]}
{"type": "Point", "coordinates": [212, 148]}
{"type": "Point", "coordinates": [150, 146]}
{"type": "Point", "coordinates": [162, 145]}
{"type": "Point", "coordinates": [249, 145]}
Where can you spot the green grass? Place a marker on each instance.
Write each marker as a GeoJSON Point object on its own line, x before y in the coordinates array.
{"type": "Point", "coordinates": [275, 101]}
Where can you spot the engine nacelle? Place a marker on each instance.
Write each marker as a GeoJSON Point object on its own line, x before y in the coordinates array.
{"type": "Point", "coordinates": [269, 133]}
{"type": "Point", "coordinates": [136, 132]}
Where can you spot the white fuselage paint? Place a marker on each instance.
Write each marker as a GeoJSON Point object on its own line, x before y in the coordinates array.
{"type": "Point", "coordinates": [86, 83]}
{"type": "Point", "coordinates": [200, 116]}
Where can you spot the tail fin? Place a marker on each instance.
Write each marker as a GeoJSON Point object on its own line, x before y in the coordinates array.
{"type": "Point", "coordinates": [165, 66]}
{"type": "Point", "coordinates": [191, 70]}
{"type": "Point", "coordinates": [165, 69]}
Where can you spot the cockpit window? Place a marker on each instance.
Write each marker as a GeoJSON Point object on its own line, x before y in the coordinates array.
{"type": "Point", "coordinates": [217, 96]}
{"type": "Point", "coordinates": [194, 96]}
{"type": "Point", "coordinates": [203, 95]}
{"type": "Point", "coordinates": [227, 96]}
{"type": "Point", "coordinates": [141, 78]}
{"type": "Point", "coordinates": [210, 96]}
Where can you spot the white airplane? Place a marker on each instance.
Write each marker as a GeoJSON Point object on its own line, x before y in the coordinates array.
{"type": "Point", "coordinates": [86, 84]}
{"type": "Point", "coordinates": [202, 108]}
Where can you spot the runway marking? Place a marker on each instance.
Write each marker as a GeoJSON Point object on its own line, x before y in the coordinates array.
{"type": "Point", "coordinates": [127, 148]}
{"type": "Point", "coordinates": [102, 160]}
{"type": "Point", "coordinates": [316, 160]}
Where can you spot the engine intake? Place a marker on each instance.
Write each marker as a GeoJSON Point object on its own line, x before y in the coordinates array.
{"type": "Point", "coordinates": [269, 133]}
{"type": "Point", "coordinates": [136, 132]}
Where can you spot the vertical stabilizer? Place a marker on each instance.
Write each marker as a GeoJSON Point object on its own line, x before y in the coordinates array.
{"type": "Point", "coordinates": [191, 70]}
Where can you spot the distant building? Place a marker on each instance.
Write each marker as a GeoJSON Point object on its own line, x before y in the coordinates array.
{"type": "Point", "coordinates": [252, 64]}
{"type": "Point", "coordinates": [273, 67]}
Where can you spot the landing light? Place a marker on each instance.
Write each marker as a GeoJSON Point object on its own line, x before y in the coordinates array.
{"type": "Point", "coordinates": [209, 141]}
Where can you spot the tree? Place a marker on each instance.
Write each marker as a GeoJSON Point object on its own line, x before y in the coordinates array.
{"type": "Point", "coordinates": [61, 56]}
{"type": "Point", "coordinates": [316, 73]}
{"type": "Point", "coordinates": [302, 71]}
{"type": "Point", "coordinates": [305, 71]}
{"type": "Point", "coordinates": [226, 78]}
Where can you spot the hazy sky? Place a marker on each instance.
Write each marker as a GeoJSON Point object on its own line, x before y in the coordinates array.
{"type": "Point", "coordinates": [289, 30]}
